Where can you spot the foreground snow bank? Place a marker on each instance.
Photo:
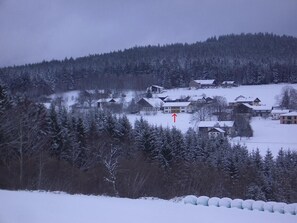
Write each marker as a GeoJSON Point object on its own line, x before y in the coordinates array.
{"type": "Point", "coordinates": [36, 207]}
{"type": "Point", "coordinates": [272, 207]}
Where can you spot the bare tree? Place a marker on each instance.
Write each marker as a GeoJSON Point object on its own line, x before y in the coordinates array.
{"type": "Point", "coordinates": [110, 159]}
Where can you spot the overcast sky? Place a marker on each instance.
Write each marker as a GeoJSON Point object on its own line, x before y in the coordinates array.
{"type": "Point", "coordinates": [36, 30]}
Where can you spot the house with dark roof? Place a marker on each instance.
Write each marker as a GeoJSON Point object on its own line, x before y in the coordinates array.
{"type": "Point", "coordinates": [155, 89]}
{"type": "Point", "coordinates": [150, 104]}
{"type": "Point", "coordinates": [105, 101]}
{"type": "Point", "coordinates": [227, 126]}
{"type": "Point", "coordinates": [252, 110]}
{"type": "Point", "coordinates": [229, 84]}
{"type": "Point", "coordinates": [202, 83]}
{"type": "Point", "coordinates": [215, 132]}
{"type": "Point", "coordinates": [247, 100]}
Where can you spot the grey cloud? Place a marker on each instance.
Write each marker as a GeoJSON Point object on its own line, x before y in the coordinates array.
{"type": "Point", "coordinates": [36, 30]}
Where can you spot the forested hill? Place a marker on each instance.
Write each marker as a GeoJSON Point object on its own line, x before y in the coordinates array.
{"type": "Point", "coordinates": [246, 58]}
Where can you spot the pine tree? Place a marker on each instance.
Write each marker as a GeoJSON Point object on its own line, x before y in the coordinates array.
{"type": "Point", "coordinates": [269, 176]}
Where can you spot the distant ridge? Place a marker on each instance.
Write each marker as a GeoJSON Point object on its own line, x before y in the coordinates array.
{"type": "Point", "coordinates": [246, 58]}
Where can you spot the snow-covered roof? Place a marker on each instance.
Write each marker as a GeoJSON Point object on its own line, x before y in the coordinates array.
{"type": "Point", "coordinates": [157, 86]}
{"type": "Point", "coordinates": [209, 124]}
{"type": "Point", "coordinates": [280, 111]}
{"type": "Point", "coordinates": [196, 98]}
{"type": "Point", "coordinates": [245, 99]}
{"type": "Point", "coordinates": [294, 113]}
{"type": "Point", "coordinates": [228, 82]}
{"type": "Point", "coordinates": [172, 98]}
{"type": "Point", "coordinates": [155, 102]}
{"type": "Point", "coordinates": [258, 108]}
{"type": "Point", "coordinates": [217, 129]}
{"type": "Point", "coordinates": [109, 99]}
{"type": "Point", "coordinates": [205, 81]}
{"type": "Point", "coordinates": [261, 108]}
{"type": "Point", "coordinates": [176, 104]}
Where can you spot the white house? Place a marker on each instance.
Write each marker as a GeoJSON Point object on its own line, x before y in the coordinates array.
{"type": "Point", "coordinates": [177, 107]}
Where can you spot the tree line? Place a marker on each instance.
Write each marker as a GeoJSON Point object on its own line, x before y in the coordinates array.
{"type": "Point", "coordinates": [99, 153]}
{"type": "Point", "coordinates": [246, 58]}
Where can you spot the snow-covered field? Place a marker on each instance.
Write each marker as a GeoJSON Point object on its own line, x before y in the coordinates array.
{"type": "Point", "coordinates": [270, 134]}
{"type": "Point", "coordinates": [36, 207]}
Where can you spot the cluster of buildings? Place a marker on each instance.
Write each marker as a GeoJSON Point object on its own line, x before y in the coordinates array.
{"type": "Point", "coordinates": [173, 105]}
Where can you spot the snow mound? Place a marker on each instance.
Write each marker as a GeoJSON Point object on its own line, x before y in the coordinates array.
{"type": "Point", "coordinates": [248, 204]}
{"type": "Point", "coordinates": [279, 207]}
{"type": "Point", "coordinates": [290, 209]}
{"type": "Point", "coordinates": [225, 202]}
{"type": "Point", "coordinates": [190, 199]}
{"type": "Point", "coordinates": [236, 203]}
{"type": "Point", "coordinates": [268, 206]}
{"type": "Point", "coordinates": [258, 205]}
{"type": "Point", "coordinates": [214, 201]}
{"type": "Point", "coordinates": [202, 200]}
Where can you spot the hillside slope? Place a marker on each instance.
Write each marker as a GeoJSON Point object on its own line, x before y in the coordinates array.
{"type": "Point", "coordinates": [246, 58]}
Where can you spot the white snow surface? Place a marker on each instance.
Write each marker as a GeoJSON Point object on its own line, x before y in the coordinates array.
{"type": "Point", "coordinates": [266, 93]}
{"type": "Point", "coordinates": [269, 134]}
{"type": "Point", "coordinates": [36, 207]}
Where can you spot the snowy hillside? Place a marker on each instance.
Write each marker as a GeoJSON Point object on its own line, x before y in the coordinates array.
{"type": "Point", "coordinates": [268, 134]}
{"type": "Point", "coordinates": [36, 207]}
{"type": "Point", "coordinates": [266, 93]}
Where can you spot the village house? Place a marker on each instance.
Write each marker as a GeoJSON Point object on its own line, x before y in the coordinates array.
{"type": "Point", "coordinates": [289, 118]}
{"type": "Point", "coordinates": [150, 104]}
{"type": "Point", "coordinates": [250, 110]}
{"type": "Point", "coordinates": [275, 113]}
{"type": "Point", "coordinates": [262, 111]}
{"type": "Point", "coordinates": [228, 84]}
{"type": "Point", "coordinates": [216, 132]}
{"type": "Point", "coordinates": [155, 89]}
{"type": "Point", "coordinates": [206, 127]}
{"type": "Point", "coordinates": [105, 101]}
{"type": "Point", "coordinates": [197, 99]}
{"type": "Point", "coordinates": [202, 84]}
{"type": "Point", "coordinates": [177, 107]}
{"type": "Point", "coordinates": [248, 100]}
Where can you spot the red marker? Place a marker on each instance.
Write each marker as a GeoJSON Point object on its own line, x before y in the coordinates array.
{"type": "Point", "coordinates": [174, 117]}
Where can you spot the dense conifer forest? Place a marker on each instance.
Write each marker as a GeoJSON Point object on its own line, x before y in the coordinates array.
{"type": "Point", "coordinates": [246, 58]}
{"type": "Point", "coordinates": [99, 153]}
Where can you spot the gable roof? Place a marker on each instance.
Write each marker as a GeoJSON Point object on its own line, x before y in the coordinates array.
{"type": "Point", "coordinates": [154, 102]}
{"type": "Point", "coordinates": [242, 99]}
{"type": "Point", "coordinates": [294, 113]}
{"type": "Point", "coordinates": [220, 124]}
{"type": "Point", "coordinates": [157, 86]}
{"type": "Point", "coordinates": [216, 130]}
{"type": "Point", "coordinates": [115, 100]}
{"type": "Point", "coordinates": [280, 111]}
{"type": "Point", "coordinates": [196, 98]}
{"type": "Point", "coordinates": [205, 82]}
